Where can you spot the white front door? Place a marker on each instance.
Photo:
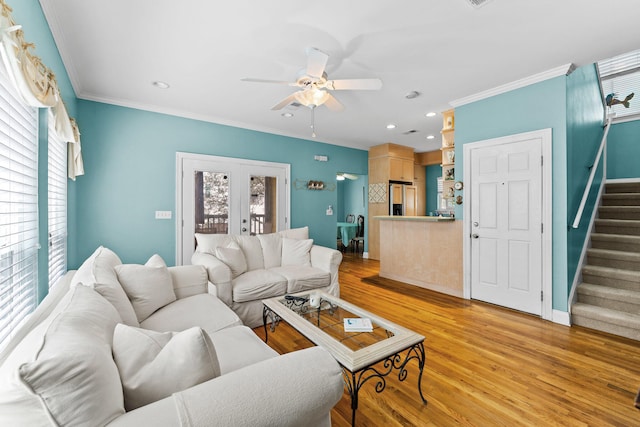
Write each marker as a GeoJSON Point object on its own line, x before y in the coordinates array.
{"type": "Point", "coordinates": [506, 224]}
{"type": "Point", "coordinates": [220, 195]}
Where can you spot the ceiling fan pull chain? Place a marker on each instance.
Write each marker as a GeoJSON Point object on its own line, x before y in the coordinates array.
{"type": "Point", "coordinates": [313, 122]}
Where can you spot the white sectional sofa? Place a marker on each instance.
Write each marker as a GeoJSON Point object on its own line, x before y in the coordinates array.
{"type": "Point", "coordinates": [135, 345]}
{"type": "Point", "coordinates": [247, 269]}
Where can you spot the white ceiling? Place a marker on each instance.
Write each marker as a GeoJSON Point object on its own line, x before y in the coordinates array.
{"type": "Point", "coordinates": [445, 49]}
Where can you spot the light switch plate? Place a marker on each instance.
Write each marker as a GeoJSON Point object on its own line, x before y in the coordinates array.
{"type": "Point", "coordinates": [163, 214]}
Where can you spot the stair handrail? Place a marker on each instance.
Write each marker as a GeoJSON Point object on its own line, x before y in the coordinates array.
{"type": "Point", "coordinates": [587, 190]}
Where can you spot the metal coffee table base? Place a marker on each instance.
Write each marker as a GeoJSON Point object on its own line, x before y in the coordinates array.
{"type": "Point", "coordinates": [355, 380]}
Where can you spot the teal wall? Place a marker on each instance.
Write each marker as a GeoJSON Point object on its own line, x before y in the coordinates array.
{"type": "Point", "coordinates": [432, 173]}
{"type": "Point", "coordinates": [585, 113]}
{"type": "Point", "coordinates": [623, 150]}
{"type": "Point", "coordinates": [130, 157]}
{"type": "Point", "coordinates": [538, 106]}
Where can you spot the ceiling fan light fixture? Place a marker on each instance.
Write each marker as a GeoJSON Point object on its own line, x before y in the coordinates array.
{"type": "Point", "coordinates": [312, 97]}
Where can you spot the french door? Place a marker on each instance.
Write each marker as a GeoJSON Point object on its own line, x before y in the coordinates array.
{"type": "Point", "coordinates": [221, 195]}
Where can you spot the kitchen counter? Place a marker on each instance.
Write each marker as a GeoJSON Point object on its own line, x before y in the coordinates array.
{"type": "Point", "coordinates": [424, 251]}
{"type": "Point", "coordinates": [415, 218]}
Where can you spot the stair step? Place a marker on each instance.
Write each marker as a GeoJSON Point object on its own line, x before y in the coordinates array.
{"type": "Point", "coordinates": [614, 259]}
{"type": "Point", "coordinates": [619, 212]}
{"type": "Point", "coordinates": [618, 226]}
{"type": "Point", "coordinates": [615, 242]}
{"type": "Point", "coordinates": [607, 320]}
{"type": "Point", "coordinates": [621, 199]}
{"type": "Point", "coordinates": [623, 187]}
{"type": "Point", "coordinates": [608, 297]}
{"type": "Point", "coordinates": [614, 277]}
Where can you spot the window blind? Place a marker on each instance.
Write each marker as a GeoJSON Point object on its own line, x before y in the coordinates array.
{"type": "Point", "coordinates": [57, 201]}
{"type": "Point", "coordinates": [620, 75]}
{"type": "Point", "coordinates": [18, 210]}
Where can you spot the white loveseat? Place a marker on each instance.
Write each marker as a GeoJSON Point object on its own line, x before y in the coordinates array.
{"type": "Point", "coordinates": [247, 269]}
{"type": "Point", "coordinates": [99, 351]}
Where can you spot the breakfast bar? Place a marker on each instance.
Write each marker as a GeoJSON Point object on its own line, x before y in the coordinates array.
{"type": "Point", "coordinates": [425, 251]}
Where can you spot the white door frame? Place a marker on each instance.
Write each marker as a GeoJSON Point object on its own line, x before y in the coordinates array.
{"type": "Point", "coordinates": [547, 249]}
{"type": "Point", "coordinates": [181, 157]}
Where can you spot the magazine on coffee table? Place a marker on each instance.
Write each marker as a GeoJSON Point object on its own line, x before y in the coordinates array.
{"type": "Point", "coordinates": [357, 324]}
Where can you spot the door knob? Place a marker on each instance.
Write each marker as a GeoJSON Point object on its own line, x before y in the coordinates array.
{"type": "Point", "coordinates": [244, 229]}
{"type": "Point", "coordinates": [475, 236]}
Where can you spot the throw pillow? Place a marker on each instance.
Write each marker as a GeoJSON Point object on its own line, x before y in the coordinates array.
{"type": "Point", "coordinates": [271, 249]}
{"type": "Point", "coordinates": [301, 233]}
{"type": "Point", "coordinates": [233, 257]}
{"type": "Point", "coordinates": [148, 288]}
{"type": "Point", "coordinates": [73, 375]}
{"type": "Point", "coordinates": [154, 365]}
{"type": "Point", "coordinates": [107, 284]}
{"type": "Point", "coordinates": [296, 252]}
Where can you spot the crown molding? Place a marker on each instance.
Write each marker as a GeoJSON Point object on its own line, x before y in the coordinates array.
{"type": "Point", "coordinates": [563, 70]}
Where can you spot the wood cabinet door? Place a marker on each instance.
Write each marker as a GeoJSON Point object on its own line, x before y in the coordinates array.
{"type": "Point", "coordinates": [410, 200]}
{"type": "Point", "coordinates": [400, 169]}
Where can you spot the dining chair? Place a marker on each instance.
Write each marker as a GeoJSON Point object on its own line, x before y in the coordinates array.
{"type": "Point", "coordinates": [359, 234]}
{"type": "Point", "coordinates": [351, 218]}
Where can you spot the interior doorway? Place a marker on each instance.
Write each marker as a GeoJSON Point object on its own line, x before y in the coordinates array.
{"type": "Point", "coordinates": [351, 207]}
{"type": "Point", "coordinates": [507, 221]}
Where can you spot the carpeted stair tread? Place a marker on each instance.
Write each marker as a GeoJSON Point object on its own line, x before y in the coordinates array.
{"type": "Point", "coordinates": [607, 292]}
{"type": "Point", "coordinates": [618, 226]}
{"type": "Point", "coordinates": [619, 242]}
{"type": "Point", "coordinates": [607, 320]}
{"type": "Point", "coordinates": [623, 187]}
{"type": "Point", "coordinates": [621, 199]}
{"type": "Point", "coordinates": [619, 212]}
{"type": "Point", "coordinates": [614, 259]}
{"type": "Point", "coordinates": [614, 277]}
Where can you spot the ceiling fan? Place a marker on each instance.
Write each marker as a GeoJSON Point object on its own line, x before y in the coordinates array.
{"type": "Point", "coordinates": [340, 176]}
{"type": "Point", "coordinates": [315, 84]}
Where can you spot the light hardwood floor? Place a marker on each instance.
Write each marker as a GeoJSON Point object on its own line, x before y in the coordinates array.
{"type": "Point", "coordinates": [485, 365]}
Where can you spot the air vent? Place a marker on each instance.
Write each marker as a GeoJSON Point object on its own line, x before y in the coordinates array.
{"type": "Point", "coordinates": [409, 132]}
{"type": "Point", "coordinates": [478, 3]}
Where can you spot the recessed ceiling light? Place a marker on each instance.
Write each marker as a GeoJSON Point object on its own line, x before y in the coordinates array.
{"type": "Point", "coordinates": [412, 94]}
{"type": "Point", "coordinates": [287, 115]}
{"type": "Point", "coordinates": [430, 137]}
{"type": "Point", "coordinates": [430, 114]}
{"type": "Point", "coordinates": [160, 84]}
{"type": "Point", "coordinates": [391, 126]}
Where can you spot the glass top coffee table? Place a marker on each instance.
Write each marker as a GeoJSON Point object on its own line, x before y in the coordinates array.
{"type": "Point", "coordinates": [364, 356]}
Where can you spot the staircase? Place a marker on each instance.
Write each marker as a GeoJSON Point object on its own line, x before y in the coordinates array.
{"type": "Point", "coordinates": [608, 299]}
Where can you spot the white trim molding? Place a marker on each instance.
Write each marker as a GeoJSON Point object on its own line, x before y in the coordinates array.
{"type": "Point", "coordinates": [561, 317]}
{"type": "Point", "coordinates": [563, 70]}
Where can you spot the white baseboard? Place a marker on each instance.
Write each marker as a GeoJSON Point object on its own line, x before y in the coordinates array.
{"type": "Point", "coordinates": [561, 317]}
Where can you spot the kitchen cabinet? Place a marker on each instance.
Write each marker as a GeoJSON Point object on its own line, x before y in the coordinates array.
{"type": "Point", "coordinates": [401, 169]}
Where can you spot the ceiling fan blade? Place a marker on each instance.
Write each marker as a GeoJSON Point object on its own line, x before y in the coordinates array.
{"type": "Point", "coordinates": [288, 100]}
{"type": "Point", "coordinates": [280, 82]}
{"type": "Point", "coordinates": [350, 176]}
{"type": "Point", "coordinates": [333, 104]}
{"type": "Point", "coordinates": [354, 84]}
{"type": "Point", "coordinates": [316, 61]}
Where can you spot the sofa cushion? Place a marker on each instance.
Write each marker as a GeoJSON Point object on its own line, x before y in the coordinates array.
{"type": "Point", "coordinates": [148, 288]}
{"type": "Point", "coordinates": [258, 284]}
{"type": "Point", "coordinates": [154, 365]}
{"type": "Point", "coordinates": [296, 233]}
{"type": "Point", "coordinates": [233, 257]}
{"type": "Point", "coordinates": [209, 242]}
{"type": "Point", "coordinates": [302, 278]}
{"type": "Point", "coordinates": [85, 275]}
{"type": "Point", "coordinates": [106, 284]}
{"type": "Point", "coordinates": [271, 249]}
{"type": "Point", "coordinates": [252, 249]}
{"type": "Point", "coordinates": [238, 347]}
{"type": "Point", "coordinates": [204, 310]}
{"type": "Point", "coordinates": [72, 379]}
{"type": "Point", "coordinates": [189, 280]}
{"type": "Point", "coordinates": [296, 252]}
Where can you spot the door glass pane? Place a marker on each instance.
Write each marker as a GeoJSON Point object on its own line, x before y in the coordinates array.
{"type": "Point", "coordinates": [263, 204]}
{"type": "Point", "coordinates": [212, 202]}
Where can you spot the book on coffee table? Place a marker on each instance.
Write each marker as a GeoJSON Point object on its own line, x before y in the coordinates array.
{"type": "Point", "coordinates": [357, 324]}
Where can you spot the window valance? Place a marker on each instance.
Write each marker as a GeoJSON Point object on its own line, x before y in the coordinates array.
{"type": "Point", "coordinates": [36, 85]}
